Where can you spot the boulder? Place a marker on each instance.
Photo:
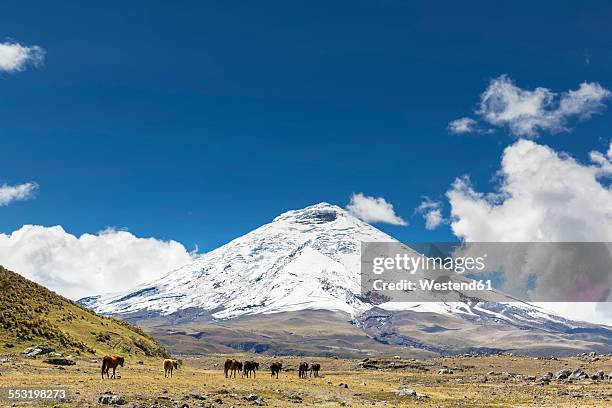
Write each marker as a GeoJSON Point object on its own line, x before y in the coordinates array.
{"type": "Point", "coordinates": [544, 380]}
{"type": "Point", "coordinates": [598, 376]}
{"type": "Point", "coordinates": [32, 351]}
{"type": "Point", "coordinates": [38, 350]}
{"type": "Point", "coordinates": [563, 374]}
{"type": "Point", "coordinates": [111, 399]}
{"type": "Point", "coordinates": [405, 392]}
{"type": "Point", "coordinates": [578, 374]}
{"type": "Point", "coordinates": [196, 395]}
{"type": "Point", "coordinates": [62, 361]}
{"type": "Point", "coordinates": [445, 371]}
{"type": "Point", "coordinates": [258, 401]}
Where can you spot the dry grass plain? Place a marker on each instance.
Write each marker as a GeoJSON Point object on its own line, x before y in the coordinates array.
{"type": "Point", "coordinates": [470, 385]}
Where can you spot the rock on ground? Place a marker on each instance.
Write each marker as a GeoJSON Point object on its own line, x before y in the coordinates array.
{"type": "Point", "coordinates": [60, 361]}
{"type": "Point", "coordinates": [405, 392]}
{"type": "Point", "coordinates": [563, 374]}
{"type": "Point", "coordinates": [111, 399]}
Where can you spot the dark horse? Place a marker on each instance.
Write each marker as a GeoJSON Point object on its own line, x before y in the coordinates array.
{"type": "Point", "coordinates": [250, 367]}
{"type": "Point", "coordinates": [169, 366]}
{"type": "Point", "coordinates": [303, 370]}
{"type": "Point", "coordinates": [232, 366]}
{"type": "Point", "coordinates": [275, 368]}
{"type": "Point", "coordinates": [111, 362]}
{"type": "Point", "coordinates": [315, 369]}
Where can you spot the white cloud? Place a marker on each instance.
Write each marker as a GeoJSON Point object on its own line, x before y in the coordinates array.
{"type": "Point", "coordinates": [19, 192]}
{"type": "Point", "coordinates": [463, 125]}
{"type": "Point", "coordinates": [431, 212]}
{"type": "Point", "coordinates": [527, 112]}
{"type": "Point", "coordinates": [373, 210]}
{"type": "Point", "coordinates": [16, 57]}
{"type": "Point", "coordinates": [543, 196]}
{"type": "Point", "coordinates": [109, 261]}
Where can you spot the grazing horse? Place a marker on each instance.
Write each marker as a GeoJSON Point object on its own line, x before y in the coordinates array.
{"type": "Point", "coordinates": [303, 370]}
{"type": "Point", "coordinates": [111, 362]}
{"type": "Point", "coordinates": [315, 369]}
{"type": "Point", "coordinates": [169, 366]}
{"type": "Point", "coordinates": [250, 367]}
{"type": "Point", "coordinates": [275, 369]}
{"type": "Point", "coordinates": [232, 366]}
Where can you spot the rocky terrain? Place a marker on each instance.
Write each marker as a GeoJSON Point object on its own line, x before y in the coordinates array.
{"type": "Point", "coordinates": [391, 381]}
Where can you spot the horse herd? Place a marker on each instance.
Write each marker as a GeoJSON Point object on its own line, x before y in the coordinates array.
{"type": "Point", "coordinates": [249, 368]}
{"type": "Point", "coordinates": [231, 368]}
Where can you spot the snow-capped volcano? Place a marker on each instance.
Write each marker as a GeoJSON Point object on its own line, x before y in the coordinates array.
{"type": "Point", "coordinates": [303, 259]}
{"type": "Point", "coordinates": [304, 267]}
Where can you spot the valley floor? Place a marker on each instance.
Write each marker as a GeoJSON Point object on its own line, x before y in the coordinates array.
{"type": "Point", "coordinates": [483, 381]}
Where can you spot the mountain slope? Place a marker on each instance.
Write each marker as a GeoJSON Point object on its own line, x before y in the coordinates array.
{"type": "Point", "coordinates": [305, 259]}
{"type": "Point", "coordinates": [31, 315]}
{"type": "Point", "coordinates": [309, 260]}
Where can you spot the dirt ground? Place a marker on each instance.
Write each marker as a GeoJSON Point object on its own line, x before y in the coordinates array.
{"type": "Point", "coordinates": [482, 381]}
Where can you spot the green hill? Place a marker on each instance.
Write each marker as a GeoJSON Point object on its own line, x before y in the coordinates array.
{"type": "Point", "coordinates": [33, 315]}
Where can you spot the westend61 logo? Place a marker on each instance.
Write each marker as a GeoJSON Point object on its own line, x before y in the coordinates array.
{"type": "Point", "coordinates": [414, 263]}
{"type": "Point", "coordinates": [488, 272]}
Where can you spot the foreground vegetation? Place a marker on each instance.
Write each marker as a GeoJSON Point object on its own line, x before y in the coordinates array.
{"type": "Point", "coordinates": [474, 382]}
{"type": "Point", "coordinates": [33, 315]}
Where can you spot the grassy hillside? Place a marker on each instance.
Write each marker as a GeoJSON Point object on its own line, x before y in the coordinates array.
{"type": "Point", "coordinates": [33, 315]}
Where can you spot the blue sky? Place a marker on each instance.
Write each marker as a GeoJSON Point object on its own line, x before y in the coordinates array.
{"type": "Point", "coordinates": [199, 121]}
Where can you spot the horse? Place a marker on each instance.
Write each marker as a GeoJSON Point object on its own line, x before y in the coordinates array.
{"type": "Point", "coordinates": [111, 362]}
{"type": "Point", "coordinates": [315, 369]}
{"type": "Point", "coordinates": [250, 367]}
{"type": "Point", "coordinates": [303, 370]}
{"type": "Point", "coordinates": [232, 366]}
{"type": "Point", "coordinates": [169, 366]}
{"type": "Point", "coordinates": [275, 368]}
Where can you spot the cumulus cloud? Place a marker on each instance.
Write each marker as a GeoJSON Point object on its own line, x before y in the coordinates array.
{"type": "Point", "coordinates": [16, 57]}
{"type": "Point", "coordinates": [527, 112]}
{"type": "Point", "coordinates": [373, 210]}
{"type": "Point", "coordinates": [91, 264]}
{"type": "Point", "coordinates": [543, 196]}
{"type": "Point", "coordinates": [431, 212]}
{"type": "Point", "coordinates": [20, 192]}
{"type": "Point", "coordinates": [462, 125]}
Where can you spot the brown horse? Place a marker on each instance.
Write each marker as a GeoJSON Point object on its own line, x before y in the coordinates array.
{"type": "Point", "coordinates": [250, 367]}
{"type": "Point", "coordinates": [232, 366]}
{"type": "Point", "coordinates": [275, 368]}
{"type": "Point", "coordinates": [169, 366]}
{"type": "Point", "coordinates": [303, 370]}
{"type": "Point", "coordinates": [315, 369]}
{"type": "Point", "coordinates": [111, 362]}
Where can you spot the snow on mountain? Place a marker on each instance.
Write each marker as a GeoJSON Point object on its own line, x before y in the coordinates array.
{"type": "Point", "coordinates": [304, 259]}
